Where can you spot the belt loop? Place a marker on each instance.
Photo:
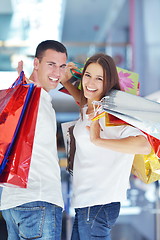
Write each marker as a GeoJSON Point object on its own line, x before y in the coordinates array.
{"type": "Point", "coordinates": [88, 214]}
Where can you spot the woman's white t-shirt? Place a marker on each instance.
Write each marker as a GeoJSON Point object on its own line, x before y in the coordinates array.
{"type": "Point", "coordinates": [100, 175]}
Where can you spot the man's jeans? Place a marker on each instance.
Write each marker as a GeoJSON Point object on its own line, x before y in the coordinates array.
{"type": "Point", "coordinates": [95, 223]}
{"type": "Point", "coordinates": [34, 220]}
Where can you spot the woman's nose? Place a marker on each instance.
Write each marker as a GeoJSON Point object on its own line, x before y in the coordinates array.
{"type": "Point", "coordinates": [91, 81]}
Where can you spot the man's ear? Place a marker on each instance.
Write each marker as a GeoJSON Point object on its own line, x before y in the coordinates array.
{"type": "Point", "coordinates": [36, 63]}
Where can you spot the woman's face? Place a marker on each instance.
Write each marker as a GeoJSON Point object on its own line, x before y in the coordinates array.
{"type": "Point", "coordinates": [92, 82]}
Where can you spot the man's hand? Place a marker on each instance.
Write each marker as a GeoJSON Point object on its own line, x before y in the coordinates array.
{"type": "Point", "coordinates": [34, 76]}
{"type": "Point", "coordinates": [20, 67]}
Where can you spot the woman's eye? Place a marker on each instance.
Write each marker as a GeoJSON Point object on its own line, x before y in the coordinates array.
{"type": "Point", "coordinates": [100, 79]}
{"type": "Point", "coordinates": [87, 75]}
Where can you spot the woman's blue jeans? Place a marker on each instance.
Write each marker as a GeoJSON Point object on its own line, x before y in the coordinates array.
{"type": "Point", "coordinates": [34, 220]}
{"type": "Point", "coordinates": [95, 223]}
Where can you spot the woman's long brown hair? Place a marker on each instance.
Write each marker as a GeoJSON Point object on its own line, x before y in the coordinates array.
{"type": "Point", "coordinates": [110, 75]}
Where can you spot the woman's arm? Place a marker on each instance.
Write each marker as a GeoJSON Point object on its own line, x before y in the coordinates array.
{"type": "Point", "coordinates": [73, 90]}
{"type": "Point", "coordinates": [132, 145]}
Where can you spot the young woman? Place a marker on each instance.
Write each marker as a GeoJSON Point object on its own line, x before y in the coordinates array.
{"type": "Point", "coordinates": [103, 157]}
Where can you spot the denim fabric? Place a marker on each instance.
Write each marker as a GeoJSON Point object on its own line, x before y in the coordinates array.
{"type": "Point", "coordinates": [34, 220]}
{"type": "Point", "coordinates": [95, 223]}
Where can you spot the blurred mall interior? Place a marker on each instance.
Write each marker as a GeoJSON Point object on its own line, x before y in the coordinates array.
{"type": "Point", "coordinates": [129, 31]}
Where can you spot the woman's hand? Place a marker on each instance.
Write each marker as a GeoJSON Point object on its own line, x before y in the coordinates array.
{"type": "Point", "coordinates": [94, 130]}
{"type": "Point", "coordinates": [72, 89]}
{"type": "Point", "coordinates": [68, 73]}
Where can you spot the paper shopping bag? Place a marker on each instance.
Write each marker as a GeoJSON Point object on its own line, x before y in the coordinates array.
{"type": "Point", "coordinates": [15, 173]}
{"type": "Point", "coordinates": [137, 111]}
{"type": "Point", "coordinates": [155, 143]}
{"type": "Point", "coordinates": [69, 142]}
{"type": "Point", "coordinates": [146, 167]}
{"type": "Point", "coordinates": [11, 106]}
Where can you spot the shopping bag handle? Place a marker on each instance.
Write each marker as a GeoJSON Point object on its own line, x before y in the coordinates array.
{"type": "Point", "coordinates": [19, 80]}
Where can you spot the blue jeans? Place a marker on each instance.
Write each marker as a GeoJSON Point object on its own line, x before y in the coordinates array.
{"type": "Point", "coordinates": [34, 220]}
{"type": "Point", "coordinates": [95, 223]}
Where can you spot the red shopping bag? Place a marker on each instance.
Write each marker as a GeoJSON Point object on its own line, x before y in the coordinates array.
{"type": "Point", "coordinates": [155, 143]}
{"type": "Point", "coordinates": [145, 167]}
{"type": "Point", "coordinates": [11, 106]}
{"type": "Point", "coordinates": [16, 171]}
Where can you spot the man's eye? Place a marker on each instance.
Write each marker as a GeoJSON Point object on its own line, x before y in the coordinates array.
{"type": "Point", "coordinates": [50, 64]}
{"type": "Point", "coordinates": [63, 67]}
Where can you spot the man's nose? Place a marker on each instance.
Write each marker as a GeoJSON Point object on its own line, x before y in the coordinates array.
{"type": "Point", "coordinates": [56, 71]}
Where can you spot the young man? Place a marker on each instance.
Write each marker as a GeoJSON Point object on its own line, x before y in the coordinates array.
{"type": "Point", "coordinates": [36, 212]}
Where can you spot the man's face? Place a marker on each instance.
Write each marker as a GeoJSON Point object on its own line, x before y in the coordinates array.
{"type": "Point", "coordinates": [50, 68]}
